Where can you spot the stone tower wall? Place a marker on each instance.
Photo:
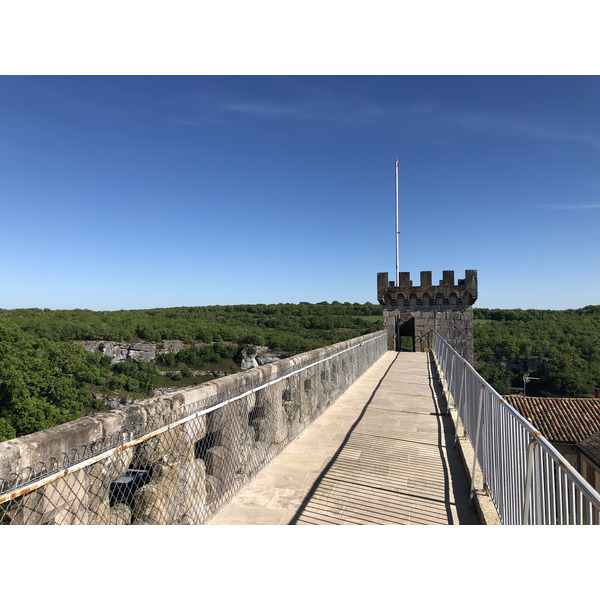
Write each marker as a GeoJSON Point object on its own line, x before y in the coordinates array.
{"type": "Point", "coordinates": [445, 308]}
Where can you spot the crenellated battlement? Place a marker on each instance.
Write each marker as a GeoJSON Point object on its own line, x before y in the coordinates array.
{"type": "Point", "coordinates": [446, 293]}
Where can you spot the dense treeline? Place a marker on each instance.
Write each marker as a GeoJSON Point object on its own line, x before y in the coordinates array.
{"type": "Point", "coordinates": [562, 348]}
{"type": "Point", "coordinates": [292, 327]}
{"type": "Point", "coordinates": [46, 379]}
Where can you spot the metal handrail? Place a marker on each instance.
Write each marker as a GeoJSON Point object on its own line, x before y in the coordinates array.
{"type": "Point", "coordinates": [528, 479]}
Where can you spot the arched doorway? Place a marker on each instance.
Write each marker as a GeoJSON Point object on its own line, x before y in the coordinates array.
{"type": "Point", "coordinates": [405, 336]}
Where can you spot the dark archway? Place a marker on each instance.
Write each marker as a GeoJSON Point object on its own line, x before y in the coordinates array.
{"type": "Point", "coordinates": [405, 336]}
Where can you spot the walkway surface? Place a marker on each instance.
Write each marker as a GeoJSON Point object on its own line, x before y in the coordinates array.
{"type": "Point", "coordinates": [382, 454]}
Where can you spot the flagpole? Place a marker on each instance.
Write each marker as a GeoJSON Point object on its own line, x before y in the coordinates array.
{"type": "Point", "coordinates": [397, 232]}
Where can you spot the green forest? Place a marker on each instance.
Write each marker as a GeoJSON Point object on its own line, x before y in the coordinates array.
{"type": "Point", "coordinates": [560, 347]}
{"type": "Point", "coordinates": [46, 378]}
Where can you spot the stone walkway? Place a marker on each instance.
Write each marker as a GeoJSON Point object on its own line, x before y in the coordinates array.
{"type": "Point", "coordinates": [382, 454]}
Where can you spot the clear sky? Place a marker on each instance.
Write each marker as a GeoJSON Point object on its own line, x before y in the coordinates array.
{"type": "Point", "coordinates": [139, 192]}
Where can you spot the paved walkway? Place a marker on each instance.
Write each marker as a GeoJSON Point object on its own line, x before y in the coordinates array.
{"type": "Point", "coordinates": [382, 454]}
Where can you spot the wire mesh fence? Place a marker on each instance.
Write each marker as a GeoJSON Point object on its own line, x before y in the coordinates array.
{"type": "Point", "coordinates": [180, 462]}
{"type": "Point", "coordinates": [529, 481]}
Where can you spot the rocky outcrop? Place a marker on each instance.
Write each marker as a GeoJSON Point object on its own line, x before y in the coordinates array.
{"type": "Point", "coordinates": [140, 352]}
{"type": "Point", "coordinates": [120, 351]}
{"type": "Point", "coordinates": [147, 352]}
{"type": "Point", "coordinates": [261, 355]}
{"type": "Point", "coordinates": [248, 362]}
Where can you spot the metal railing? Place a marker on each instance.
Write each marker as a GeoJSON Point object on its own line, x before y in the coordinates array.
{"type": "Point", "coordinates": [183, 463]}
{"type": "Point", "coordinates": [528, 480]}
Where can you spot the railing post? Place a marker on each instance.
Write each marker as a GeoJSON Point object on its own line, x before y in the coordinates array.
{"type": "Point", "coordinates": [477, 436]}
{"type": "Point", "coordinates": [528, 481]}
{"type": "Point", "coordinates": [449, 380]}
{"type": "Point", "coordinates": [446, 358]}
{"type": "Point", "coordinates": [460, 401]}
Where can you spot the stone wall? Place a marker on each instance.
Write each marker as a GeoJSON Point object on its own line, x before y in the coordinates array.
{"type": "Point", "coordinates": [445, 308]}
{"type": "Point", "coordinates": [186, 473]}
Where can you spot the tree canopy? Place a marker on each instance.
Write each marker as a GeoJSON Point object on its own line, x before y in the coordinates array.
{"type": "Point", "coordinates": [561, 347]}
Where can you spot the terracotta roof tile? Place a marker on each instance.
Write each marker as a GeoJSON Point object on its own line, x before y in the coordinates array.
{"type": "Point", "coordinates": [591, 448]}
{"type": "Point", "coordinates": [560, 420]}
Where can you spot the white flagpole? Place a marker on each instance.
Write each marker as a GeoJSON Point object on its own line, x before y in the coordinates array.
{"type": "Point", "coordinates": [397, 232]}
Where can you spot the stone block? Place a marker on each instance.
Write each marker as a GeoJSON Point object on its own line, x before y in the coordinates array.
{"type": "Point", "coordinates": [99, 511]}
{"type": "Point", "coordinates": [37, 448]}
{"type": "Point", "coordinates": [159, 502]}
{"type": "Point", "coordinates": [194, 430]}
{"type": "Point", "coordinates": [50, 503]}
{"type": "Point", "coordinates": [165, 447]}
{"type": "Point", "coordinates": [221, 466]}
{"type": "Point", "coordinates": [10, 459]}
{"type": "Point", "coordinates": [193, 481]}
{"type": "Point", "coordinates": [120, 514]}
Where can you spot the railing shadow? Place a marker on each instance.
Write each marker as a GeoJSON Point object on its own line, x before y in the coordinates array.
{"type": "Point", "coordinates": [453, 473]}
{"type": "Point", "coordinates": [317, 483]}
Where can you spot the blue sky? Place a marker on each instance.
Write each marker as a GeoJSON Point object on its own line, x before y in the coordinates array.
{"type": "Point", "coordinates": [140, 192]}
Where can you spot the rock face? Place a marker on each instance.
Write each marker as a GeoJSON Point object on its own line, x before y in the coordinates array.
{"type": "Point", "coordinates": [146, 352]}
{"type": "Point", "coordinates": [262, 356]}
{"type": "Point", "coordinates": [249, 362]}
{"type": "Point", "coordinates": [265, 359]}
{"type": "Point", "coordinates": [140, 352]}
{"type": "Point", "coordinates": [120, 351]}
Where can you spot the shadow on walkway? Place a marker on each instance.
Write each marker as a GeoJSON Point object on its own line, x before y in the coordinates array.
{"type": "Point", "coordinates": [397, 463]}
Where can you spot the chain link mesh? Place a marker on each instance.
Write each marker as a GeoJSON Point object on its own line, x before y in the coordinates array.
{"type": "Point", "coordinates": [181, 464]}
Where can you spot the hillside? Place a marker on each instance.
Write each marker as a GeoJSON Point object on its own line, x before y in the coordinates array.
{"type": "Point", "coordinates": [562, 348]}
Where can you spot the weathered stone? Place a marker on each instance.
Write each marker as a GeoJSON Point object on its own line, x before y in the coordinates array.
{"type": "Point", "coordinates": [270, 405]}
{"type": "Point", "coordinates": [150, 505]}
{"type": "Point", "coordinates": [193, 482]}
{"type": "Point", "coordinates": [99, 480]}
{"type": "Point", "coordinates": [99, 512]}
{"type": "Point", "coordinates": [120, 514]}
{"type": "Point", "coordinates": [165, 447]}
{"type": "Point", "coordinates": [308, 404]}
{"type": "Point", "coordinates": [121, 351]}
{"type": "Point", "coordinates": [159, 502]}
{"type": "Point", "coordinates": [52, 502]}
{"type": "Point", "coordinates": [248, 362]}
{"type": "Point", "coordinates": [194, 430]}
{"type": "Point", "coordinates": [220, 465]}
{"type": "Point", "coordinates": [212, 489]}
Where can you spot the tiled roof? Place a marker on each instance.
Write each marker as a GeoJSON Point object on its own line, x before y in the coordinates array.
{"type": "Point", "coordinates": [591, 448]}
{"type": "Point", "coordinates": [560, 420]}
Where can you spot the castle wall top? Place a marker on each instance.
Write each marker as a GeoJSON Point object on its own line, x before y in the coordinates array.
{"type": "Point", "coordinates": [463, 292]}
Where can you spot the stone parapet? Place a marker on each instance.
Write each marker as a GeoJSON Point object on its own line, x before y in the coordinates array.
{"type": "Point", "coordinates": [186, 471]}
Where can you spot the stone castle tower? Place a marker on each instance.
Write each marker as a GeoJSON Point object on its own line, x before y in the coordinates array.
{"type": "Point", "coordinates": [412, 313]}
